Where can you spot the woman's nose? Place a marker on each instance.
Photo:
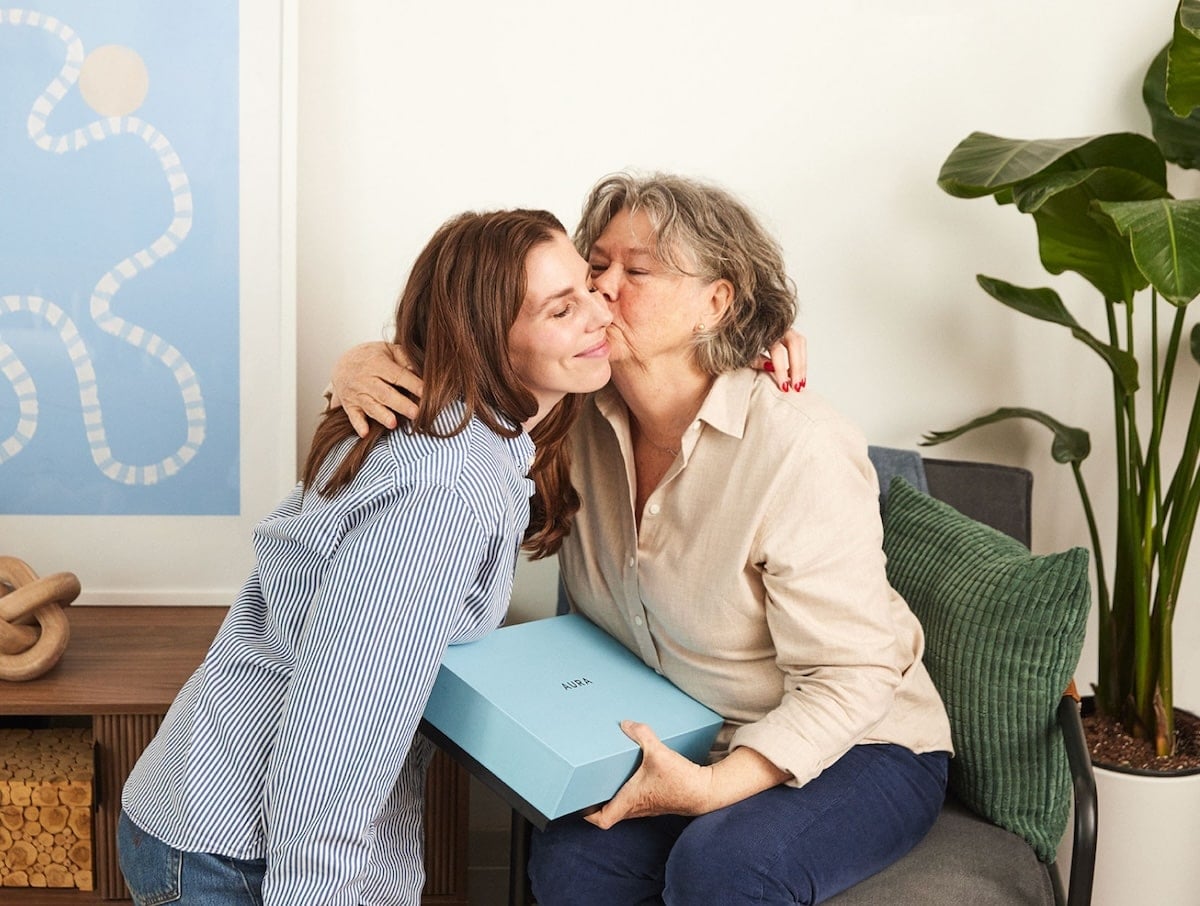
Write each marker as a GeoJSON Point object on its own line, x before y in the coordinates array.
{"type": "Point", "coordinates": [602, 311]}
{"type": "Point", "coordinates": [606, 283]}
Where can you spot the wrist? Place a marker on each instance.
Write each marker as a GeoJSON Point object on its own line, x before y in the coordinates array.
{"type": "Point", "coordinates": [743, 773]}
{"type": "Point", "coordinates": [708, 799]}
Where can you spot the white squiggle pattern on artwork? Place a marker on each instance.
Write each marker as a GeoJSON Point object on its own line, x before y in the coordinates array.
{"type": "Point", "coordinates": [106, 288]}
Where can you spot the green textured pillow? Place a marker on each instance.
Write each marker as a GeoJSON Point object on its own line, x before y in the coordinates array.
{"type": "Point", "coordinates": [1003, 634]}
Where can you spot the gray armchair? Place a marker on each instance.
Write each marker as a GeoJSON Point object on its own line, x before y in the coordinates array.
{"type": "Point", "coordinates": [965, 858]}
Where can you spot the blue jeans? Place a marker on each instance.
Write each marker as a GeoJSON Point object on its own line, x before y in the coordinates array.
{"type": "Point", "coordinates": [785, 845]}
{"type": "Point", "coordinates": [156, 873]}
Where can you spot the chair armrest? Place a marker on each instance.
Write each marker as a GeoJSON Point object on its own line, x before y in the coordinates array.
{"type": "Point", "coordinates": [1083, 781]}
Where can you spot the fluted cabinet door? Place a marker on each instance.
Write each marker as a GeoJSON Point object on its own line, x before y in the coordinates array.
{"type": "Point", "coordinates": [120, 739]}
{"type": "Point", "coordinates": [446, 820]}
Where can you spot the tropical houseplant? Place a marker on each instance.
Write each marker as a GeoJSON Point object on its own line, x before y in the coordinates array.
{"type": "Point", "coordinates": [1103, 210]}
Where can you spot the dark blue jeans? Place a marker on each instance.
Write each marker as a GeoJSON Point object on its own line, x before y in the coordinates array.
{"type": "Point", "coordinates": [784, 845]}
{"type": "Point", "coordinates": [157, 874]}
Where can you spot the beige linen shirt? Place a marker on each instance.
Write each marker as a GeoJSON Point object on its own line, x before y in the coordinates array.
{"type": "Point", "coordinates": [757, 582]}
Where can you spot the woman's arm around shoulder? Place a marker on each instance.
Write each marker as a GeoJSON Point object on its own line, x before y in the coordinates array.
{"type": "Point", "coordinates": [374, 381]}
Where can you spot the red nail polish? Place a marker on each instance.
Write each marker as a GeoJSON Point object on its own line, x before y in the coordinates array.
{"type": "Point", "coordinates": [768, 365]}
{"type": "Point", "coordinates": [786, 386]}
{"type": "Point", "coordinates": [801, 384]}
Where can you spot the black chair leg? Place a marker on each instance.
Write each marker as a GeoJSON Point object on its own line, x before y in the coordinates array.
{"type": "Point", "coordinates": [520, 836]}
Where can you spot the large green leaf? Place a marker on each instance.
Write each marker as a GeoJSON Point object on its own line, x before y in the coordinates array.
{"type": "Point", "coordinates": [1100, 183]}
{"type": "Point", "coordinates": [983, 164]}
{"type": "Point", "coordinates": [1069, 444]}
{"type": "Point", "coordinates": [1164, 236]}
{"type": "Point", "coordinates": [1183, 62]}
{"type": "Point", "coordinates": [1177, 136]}
{"type": "Point", "coordinates": [1071, 236]}
{"type": "Point", "coordinates": [1046, 305]}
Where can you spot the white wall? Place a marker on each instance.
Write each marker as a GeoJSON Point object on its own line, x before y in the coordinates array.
{"type": "Point", "coordinates": [831, 119]}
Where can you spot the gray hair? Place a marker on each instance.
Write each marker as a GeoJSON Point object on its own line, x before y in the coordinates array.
{"type": "Point", "coordinates": [703, 231]}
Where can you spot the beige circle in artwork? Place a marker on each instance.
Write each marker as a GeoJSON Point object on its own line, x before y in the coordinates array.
{"type": "Point", "coordinates": [113, 80]}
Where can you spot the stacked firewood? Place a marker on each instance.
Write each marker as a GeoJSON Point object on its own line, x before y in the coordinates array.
{"type": "Point", "coordinates": [46, 808]}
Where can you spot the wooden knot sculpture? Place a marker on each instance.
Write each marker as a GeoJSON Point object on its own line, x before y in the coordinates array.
{"type": "Point", "coordinates": [26, 651]}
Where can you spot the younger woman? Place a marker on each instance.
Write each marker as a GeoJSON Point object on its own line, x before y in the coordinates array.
{"type": "Point", "coordinates": [286, 772]}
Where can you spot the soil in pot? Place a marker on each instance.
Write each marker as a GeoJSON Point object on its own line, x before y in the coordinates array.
{"type": "Point", "coordinates": [1113, 748]}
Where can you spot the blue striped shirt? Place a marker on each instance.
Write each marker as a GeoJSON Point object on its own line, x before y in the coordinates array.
{"type": "Point", "coordinates": [291, 742]}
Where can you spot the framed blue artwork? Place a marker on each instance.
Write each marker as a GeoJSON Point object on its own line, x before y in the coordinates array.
{"type": "Point", "coordinates": [146, 283]}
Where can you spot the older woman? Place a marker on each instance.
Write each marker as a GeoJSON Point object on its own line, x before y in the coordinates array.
{"type": "Point", "coordinates": [730, 536]}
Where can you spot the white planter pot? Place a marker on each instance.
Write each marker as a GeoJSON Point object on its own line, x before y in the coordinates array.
{"type": "Point", "coordinates": [1147, 838]}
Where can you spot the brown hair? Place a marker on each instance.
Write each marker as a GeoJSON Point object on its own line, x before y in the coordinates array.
{"type": "Point", "coordinates": [705, 232]}
{"type": "Point", "coordinates": [463, 294]}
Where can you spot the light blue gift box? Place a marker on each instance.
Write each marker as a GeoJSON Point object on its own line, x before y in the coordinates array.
{"type": "Point", "coordinates": [533, 711]}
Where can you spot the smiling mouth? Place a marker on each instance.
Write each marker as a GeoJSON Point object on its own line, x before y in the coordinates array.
{"type": "Point", "coordinates": [600, 349]}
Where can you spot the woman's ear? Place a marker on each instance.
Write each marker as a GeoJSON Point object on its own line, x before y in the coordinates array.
{"type": "Point", "coordinates": [719, 301]}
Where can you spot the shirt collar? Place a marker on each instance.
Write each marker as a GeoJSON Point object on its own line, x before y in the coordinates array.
{"type": "Point", "coordinates": [728, 402]}
{"type": "Point", "coordinates": [522, 450]}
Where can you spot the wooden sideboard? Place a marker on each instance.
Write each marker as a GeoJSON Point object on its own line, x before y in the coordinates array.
{"type": "Point", "coordinates": [121, 671]}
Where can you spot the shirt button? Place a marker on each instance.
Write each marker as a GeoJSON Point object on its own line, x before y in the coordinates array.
{"type": "Point", "coordinates": [632, 562]}
{"type": "Point", "coordinates": [654, 508]}
{"type": "Point", "coordinates": [638, 621]}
